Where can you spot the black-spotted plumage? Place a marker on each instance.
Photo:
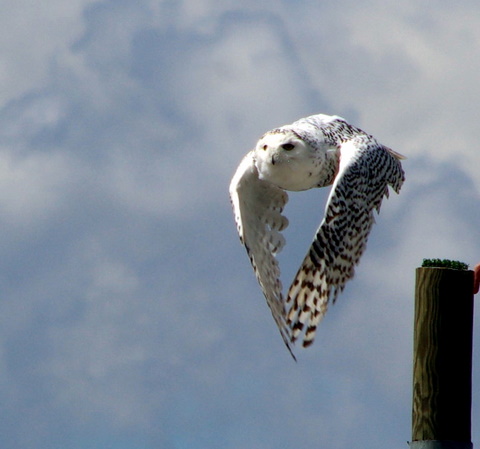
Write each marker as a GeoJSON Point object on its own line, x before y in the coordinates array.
{"type": "Point", "coordinates": [316, 151]}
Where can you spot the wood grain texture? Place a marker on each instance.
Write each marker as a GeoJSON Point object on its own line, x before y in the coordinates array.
{"type": "Point", "coordinates": [442, 366]}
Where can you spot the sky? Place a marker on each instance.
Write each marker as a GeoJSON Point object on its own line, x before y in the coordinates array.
{"type": "Point", "coordinates": [130, 317]}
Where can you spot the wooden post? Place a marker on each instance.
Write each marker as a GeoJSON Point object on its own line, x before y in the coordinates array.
{"type": "Point", "coordinates": [442, 366]}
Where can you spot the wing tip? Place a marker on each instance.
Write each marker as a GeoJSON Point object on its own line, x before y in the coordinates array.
{"type": "Point", "coordinates": [396, 155]}
{"type": "Point", "coordinates": [291, 353]}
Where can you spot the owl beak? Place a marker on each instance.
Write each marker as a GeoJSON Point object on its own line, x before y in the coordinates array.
{"type": "Point", "coordinates": [273, 159]}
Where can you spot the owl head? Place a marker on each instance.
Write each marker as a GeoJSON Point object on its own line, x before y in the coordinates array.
{"type": "Point", "coordinates": [283, 158]}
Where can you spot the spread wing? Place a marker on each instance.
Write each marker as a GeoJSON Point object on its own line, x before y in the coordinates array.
{"type": "Point", "coordinates": [366, 169]}
{"type": "Point", "coordinates": [258, 206]}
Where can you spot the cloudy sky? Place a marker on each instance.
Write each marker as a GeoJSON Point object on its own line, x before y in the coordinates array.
{"type": "Point", "coordinates": [130, 316]}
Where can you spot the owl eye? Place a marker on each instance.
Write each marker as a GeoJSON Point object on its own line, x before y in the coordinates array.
{"type": "Point", "coordinates": [288, 146]}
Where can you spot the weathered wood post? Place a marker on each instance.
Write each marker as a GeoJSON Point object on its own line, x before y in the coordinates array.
{"type": "Point", "coordinates": [442, 365]}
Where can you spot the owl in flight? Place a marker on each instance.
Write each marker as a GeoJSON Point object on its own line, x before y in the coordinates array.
{"type": "Point", "coordinates": [316, 151]}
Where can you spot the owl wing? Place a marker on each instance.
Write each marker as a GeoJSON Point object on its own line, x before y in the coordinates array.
{"type": "Point", "coordinates": [258, 206]}
{"type": "Point", "coordinates": [366, 169]}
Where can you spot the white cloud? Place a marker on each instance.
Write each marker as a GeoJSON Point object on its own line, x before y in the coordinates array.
{"type": "Point", "coordinates": [406, 68]}
{"type": "Point", "coordinates": [32, 188]}
{"type": "Point", "coordinates": [32, 34]}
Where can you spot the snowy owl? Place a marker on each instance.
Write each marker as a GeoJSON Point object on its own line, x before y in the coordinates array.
{"type": "Point", "coordinates": [316, 151]}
